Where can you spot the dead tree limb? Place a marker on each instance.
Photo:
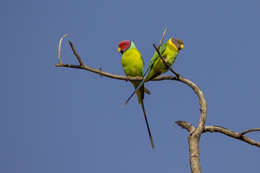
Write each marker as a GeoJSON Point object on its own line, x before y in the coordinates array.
{"type": "Point", "coordinates": [218, 129]}
{"type": "Point", "coordinates": [194, 132]}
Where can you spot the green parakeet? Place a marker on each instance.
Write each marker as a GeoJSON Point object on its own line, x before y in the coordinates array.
{"type": "Point", "coordinates": [133, 65]}
{"type": "Point", "coordinates": [169, 52]}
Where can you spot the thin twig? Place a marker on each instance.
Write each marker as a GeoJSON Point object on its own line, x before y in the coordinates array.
{"type": "Point", "coordinates": [250, 130]}
{"type": "Point", "coordinates": [113, 76]}
{"type": "Point", "coordinates": [217, 129]}
{"type": "Point", "coordinates": [163, 35]}
{"type": "Point", "coordinates": [232, 134]}
{"type": "Point", "coordinates": [76, 54]}
{"type": "Point", "coordinates": [188, 126]}
{"type": "Point", "coordinates": [59, 48]}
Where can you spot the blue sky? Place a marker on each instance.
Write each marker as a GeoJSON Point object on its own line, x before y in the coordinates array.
{"type": "Point", "coordinates": [68, 120]}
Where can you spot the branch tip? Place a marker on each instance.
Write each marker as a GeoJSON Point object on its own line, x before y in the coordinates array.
{"type": "Point", "coordinates": [185, 125]}
{"type": "Point", "coordinates": [163, 35]}
{"type": "Point", "coordinates": [250, 130]}
{"type": "Point", "coordinates": [59, 47]}
{"type": "Point", "coordinates": [76, 54]}
{"type": "Point", "coordinates": [233, 134]}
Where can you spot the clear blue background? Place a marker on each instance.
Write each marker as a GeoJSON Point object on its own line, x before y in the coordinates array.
{"type": "Point", "coordinates": [68, 120]}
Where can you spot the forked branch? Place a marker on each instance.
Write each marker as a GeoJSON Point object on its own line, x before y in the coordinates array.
{"type": "Point", "coordinates": [96, 70]}
{"type": "Point", "coordinates": [194, 132]}
{"type": "Point", "coordinates": [212, 129]}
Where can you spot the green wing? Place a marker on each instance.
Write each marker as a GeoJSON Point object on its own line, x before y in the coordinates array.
{"type": "Point", "coordinates": [156, 55]}
{"type": "Point", "coordinates": [154, 59]}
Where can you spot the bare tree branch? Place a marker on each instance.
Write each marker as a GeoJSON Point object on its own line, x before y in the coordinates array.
{"type": "Point", "coordinates": [188, 126]}
{"type": "Point", "coordinates": [59, 49]}
{"type": "Point", "coordinates": [76, 54]}
{"type": "Point", "coordinates": [99, 70]}
{"type": "Point", "coordinates": [113, 76]}
{"type": "Point", "coordinates": [195, 135]}
{"type": "Point", "coordinates": [240, 136]}
{"type": "Point", "coordinates": [250, 130]}
{"type": "Point", "coordinates": [236, 135]}
{"type": "Point", "coordinates": [195, 132]}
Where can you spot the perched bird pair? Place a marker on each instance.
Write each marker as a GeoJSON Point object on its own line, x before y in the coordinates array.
{"type": "Point", "coordinates": [133, 65]}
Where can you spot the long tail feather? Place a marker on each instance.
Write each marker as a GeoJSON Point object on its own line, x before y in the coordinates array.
{"type": "Point", "coordinates": [129, 98]}
{"type": "Point", "coordinates": [147, 70]}
{"type": "Point", "coordinates": [147, 125]}
{"type": "Point", "coordinates": [137, 88]}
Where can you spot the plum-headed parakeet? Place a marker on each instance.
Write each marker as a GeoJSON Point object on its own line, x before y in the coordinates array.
{"type": "Point", "coordinates": [133, 65]}
{"type": "Point", "coordinates": [169, 52]}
